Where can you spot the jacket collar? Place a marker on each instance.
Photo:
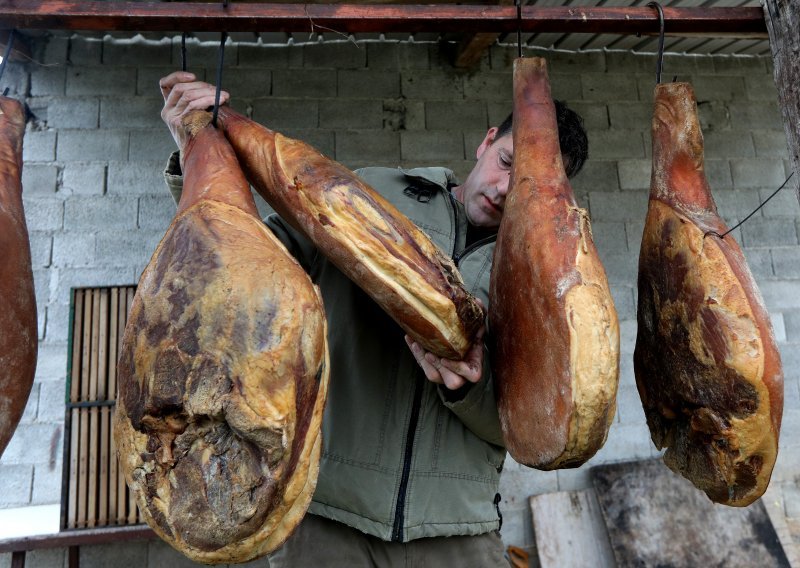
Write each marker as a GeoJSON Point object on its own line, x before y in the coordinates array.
{"type": "Point", "coordinates": [441, 177]}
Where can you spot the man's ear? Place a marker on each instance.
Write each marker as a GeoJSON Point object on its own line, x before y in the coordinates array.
{"type": "Point", "coordinates": [491, 134]}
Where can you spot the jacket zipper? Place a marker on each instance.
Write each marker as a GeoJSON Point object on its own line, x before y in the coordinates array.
{"type": "Point", "coordinates": [399, 512]}
{"type": "Point", "coordinates": [455, 223]}
{"type": "Point", "coordinates": [472, 247]}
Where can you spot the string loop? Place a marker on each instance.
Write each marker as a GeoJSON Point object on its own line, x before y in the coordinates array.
{"type": "Point", "coordinates": [660, 61]}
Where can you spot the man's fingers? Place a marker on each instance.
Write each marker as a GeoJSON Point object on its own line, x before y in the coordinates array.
{"type": "Point", "coordinates": [419, 353]}
{"type": "Point", "coordinates": [451, 380]}
{"type": "Point", "coordinates": [464, 368]}
{"type": "Point", "coordinates": [167, 83]}
{"type": "Point", "coordinates": [203, 103]}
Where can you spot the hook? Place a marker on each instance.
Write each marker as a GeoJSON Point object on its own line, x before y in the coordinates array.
{"type": "Point", "coordinates": [6, 55]}
{"type": "Point", "coordinates": [183, 51]}
{"type": "Point", "coordinates": [660, 63]}
{"type": "Point", "coordinates": [519, 27]}
{"type": "Point", "coordinates": [219, 77]}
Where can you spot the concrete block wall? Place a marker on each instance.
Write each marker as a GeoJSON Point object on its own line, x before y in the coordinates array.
{"type": "Point", "coordinates": [96, 204]}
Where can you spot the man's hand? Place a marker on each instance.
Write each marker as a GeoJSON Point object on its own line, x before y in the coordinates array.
{"type": "Point", "coordinates": [183, 93]}
{"type": "Point", "coordinates": [451, 373]}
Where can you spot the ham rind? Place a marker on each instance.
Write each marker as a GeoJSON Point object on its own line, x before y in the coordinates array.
{"type": "Point", "coordinates": [552, 323]}
{"type": "Point", "coordinates": [364, 235]}
{"type": "Point", "coordinates": [18, 327]}
{"type": "Point", "coordinates": [706, 363]}
{"type": "Point", "coordinates": [223, 372]}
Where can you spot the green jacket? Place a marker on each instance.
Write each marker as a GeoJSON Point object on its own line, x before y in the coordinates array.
{"type": "Point", "coordinates": [400, 460]}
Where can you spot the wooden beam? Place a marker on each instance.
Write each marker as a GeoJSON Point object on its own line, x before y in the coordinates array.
{"type": "Point", "coordinates": [783, 21]}
{"type": "Point", "coordinates": [473, 46]}
{"type": "Point", "coordinates": [78, 537]}
{"type": "Point", "coordinates": [240, 17]}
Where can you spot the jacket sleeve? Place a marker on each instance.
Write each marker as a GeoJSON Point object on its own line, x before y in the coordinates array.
{"type": "Point", "coordinates": [297, 244]}
{"type": "Point", "coordinates": [476, 407]}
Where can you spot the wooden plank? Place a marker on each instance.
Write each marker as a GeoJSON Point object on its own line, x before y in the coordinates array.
{"type": "Point", "coordinates": [473, 46]}
{"type": "Point", "coordinates": [569, 530]}
{"type": "Point", "coordinates": [133, 512]}
{"type": "Point", "coordinates": [122, 489]}
{"type": "Point", "coordinates": [82, 537]}
{"type": "Point", "coordinates": [113, 481]}
{"type": "Point", "coordinates": [102, 394]}
{"type": "Point", "coordinates": [74, 394]}
{"type": "Point", "coordinates": [94, 413]}
{"type": "Point", "coordinates": [349, 18]}
{"type": "Point", "coordinates": [77, 336]}
{"type": "Point", "coordinates": [648, 509]}
{"type": "Point", "coordinates": [75, 428]}
{"type": "Point", "coordinates": [83, 444]}
{"type": "Point", "coordinates": [783, 21]}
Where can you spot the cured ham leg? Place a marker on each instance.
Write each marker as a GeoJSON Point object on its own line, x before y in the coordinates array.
{"type": "Point", "coordinates": [18, 327]}
{"type": "Point", "coordinates": [223, 371]}
{"type": "Point", "coordinates": [364, 235]}
{"type": "Point", "coordinates": [552, 321]}
{"type": "Point", "coordinates": [707, 367]}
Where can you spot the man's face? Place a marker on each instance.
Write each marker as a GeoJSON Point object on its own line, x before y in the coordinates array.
{"type": "Point", "coordinates": [484, 191]}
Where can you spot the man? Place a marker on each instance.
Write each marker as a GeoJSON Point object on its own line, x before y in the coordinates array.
{"type": "Point", "coordinates": [412, 448]}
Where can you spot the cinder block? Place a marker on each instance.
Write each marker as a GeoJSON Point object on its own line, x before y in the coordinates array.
{"type": "Point", "coordinates": [94, 81]}
{"type": "Point", "coordinates": [714, 116]}
{"type": "Point", "coordinates": [131, 112]}
{"type": "Point", "coordinates": [85, 51]}
{"type": "Point", "coordinates": [57, 321]}
{"type": "Point", "coordinates": [83, 178]}
{"type": "Point", "coordinates": [47, 558]}
{"type": "Point", "coordinates": [412, 55]}
{"type": "Point", "coordinates": [605, 144]}
{"type": "Point", "coordinates": [31, 406]}
{"type": "Point", "coordinates": [442, 145]}
{"type": "Point", "coordinates": [728, 144]}
{"type": "Point", "coordinates": [39, 146]}
{"type": "Point", "coordinates": [51, 362]}
{"type": "Point", "coordinates": [790, 357]}
{"type": "Point", "coordinates": [718, 88]}
{"type": "Point", "coordinates": [634, 174]}
{"type": "Point", "coordinates": [41, 248]}
{"type": "Point", "coordinates": [633, 115]}
{"type": "Point", "coordinates": [304, 83]}
{"type": "Point", "coordinates": [33, 443]}
{"type": "Point", "coordinates": [609, 236]}
{"type": "Point", "coordinates": [39, 180]}
{"type": "Point", "coordinates": [156, 212]}
{"type": "Point", "coordinates": [246, 83]}
{"type": "Point", "coordinates": [718, 174]}
{"type": "Point", "coordinates": [501, 57]}
{"type": "Point", "coordinates": [351, 114]}
{"type": "Point", "coordinates": [621, 268]}
{"type": "Point", "coordinates": [770, 144]}
{"type": "Point", "coordinates": [43, 214]}
{"type": "Point", "coordinates": [608, 87]}
{"type": "Point", "coordinates": [264, 56]}
{"type": "Point", "coordinates": [688, 64]}
{"type": "Point", "coordinates": [147, 78]}
{"type": "Point", "coordinates": [69, 277]}
{"type": "Point", "coordinates": [782, 204]}
{"type": "Point", "coordinates": [137, 52]}
{"type": "Point", "coordinates": [73, 112]}
{"type": "Point", "coordinates": [130, 179]}
{"type": "Point", "coordinates": [629, 406]}
{"type": "Point", "coordinates": [564, 88]}
{"type": "Point", "coordinates": [778, 327]}
{"type": "Point", "coordinates": [116, 554]}
{"type": "Point", "coordinates": [16, 79]}
{"type": "Point", "coordinates": [74, 248]}
{"type": "Point", "coordinates": [321, 140]}
{"type": "Point", "coordinates": [736, 204]}
{"type": "Point", "coordinates": [338, 55]}
{"type": "Point", "coordinates": [286, 113]}
{"type": "Point", "coordinates": [48, 81]}
{"type": "Point", "coordinates": [431, 85]}
{"type": "Point", "coordinates": [52, 399]}
{"type": "Point", "coordinates": [791, 322]}
{"type": "Point", "coordinates": [762, 173]}
{"type": "Point", "coordinates": [41, 285]}
{"type": "Point", "coordinates": [739, 65]}
{"type": "Point", "coordinates": [760, 88]}
{"type": "Point", "coordinates": [623, 301]}
{"type": "Point", "coordinates": [486, 86]}
{"type": "Point", "coordinates": [626, 441]}
{"type": "Point", "coordinates": [746, 115]}
{"type": "Point", "coordinates": [579, 62]}
{"type": "Point", "coordinates": [161, 555]}
{"type": "Point", "coordinates": [367, 84]}
{"type": "Point", "coordinates": [787, 263]}
{"type": "Point", "coordinates": [780, 295]}
{"type": "Point", "coordinates": [594, 115]}
{"type": "Point", "coordinates": [627, 334]}
{"type": "Point", "coordinates": [54, 50]}
{"type": "Point", "coordinates": [93, 213]}
{"type": "Point", "coordinates": [151, 145]}
{"type": "Point", "coordinates": [17, 482]}
{"type": "Point", "coordinates": [126, 249]}
{"type": "Point", "coordinates": [617, 206]}
{"type": "Point", "coordinates": [377, 146]}
{"type": "Point", "coordinates": [596, 175]}
{"type": "Point", "coordinates": [760, 262]}
{"type": "Point", "coordinates": [769, 232]}
{"type": "Point", "coordinates": [383, 56]}
{"type": "Point", "coordinates": [441, 115]}
{"type": "Point", "coordinates": [92, 145]}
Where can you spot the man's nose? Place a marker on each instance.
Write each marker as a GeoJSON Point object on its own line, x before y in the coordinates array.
{"type": "Point", "coordinates": [502, 185]}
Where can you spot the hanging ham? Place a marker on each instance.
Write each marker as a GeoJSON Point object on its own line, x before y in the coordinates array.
{"type": "Point", "coordinates": [706, 364]}
{"type": "Point", "coordinates": [364, 235]}
{"type": "Point", "coordinates": [223, 371]}
{"type": "Point", "coordinates": [552, 322]}
{"type": "Point", "coordinates": [18, 324]}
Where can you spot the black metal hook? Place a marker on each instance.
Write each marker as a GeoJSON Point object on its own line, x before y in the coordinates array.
{"type": "Point", "coordinates": [660, 62]}
{"type": "Point", "coordinates": [6, 55]}
{"type": "Point", "coordinates": [519, 27]}
{"type": "Point", "coordinates": [219, 77]}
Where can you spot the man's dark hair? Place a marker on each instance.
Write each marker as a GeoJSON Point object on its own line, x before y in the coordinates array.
{"type": "Point", "coordinates": [571, 137]}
